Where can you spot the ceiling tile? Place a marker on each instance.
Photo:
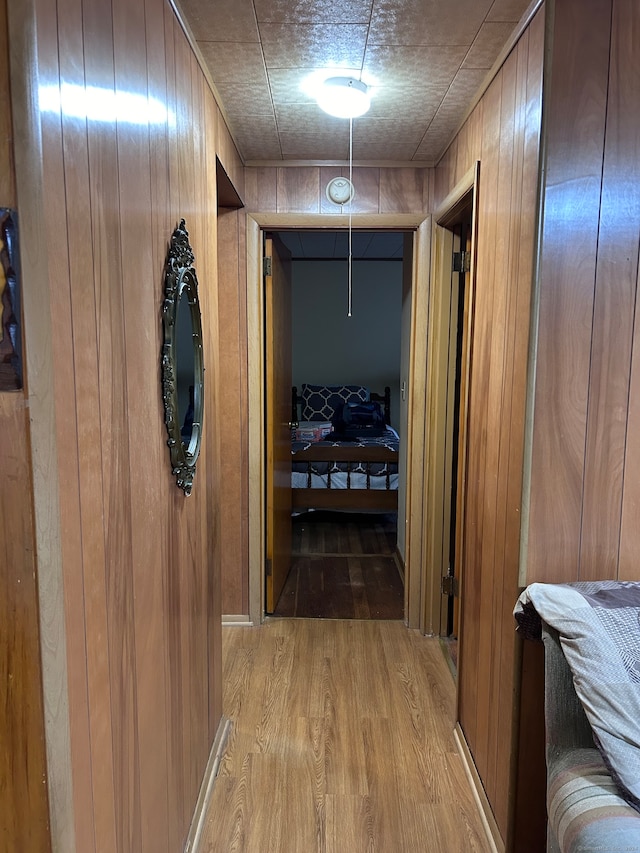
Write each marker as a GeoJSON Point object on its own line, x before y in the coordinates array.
{"type": "Point", "coordinates": [407, 104]}
{"type": "Point", "coordinates": [224, 59]}
{"type": "Point", "coordinates": [422, 22]}
{"type": "Point", "coordinates": [383, 151]}
{"type": "Point", "coordinates": [432, 146]}
{"type": "Point", "coordinates": [306, 118]}
{"type": "Point", "coordinates": [285, 85]}
{"type": "Point", "coordinates": [487, 45]}
{"type": "Point", "coordinates": [239, 99]}
{"type": "Point", "coordinates": [508, 10]}
{"type": "Point", "coordinates": [259, 126]}
{"type": "Point", "coordinates": [204, 19]}
{"type": "Point", "coordinates": [254, 148]}
{"type": "Point", "coordinates": [313, 146]}
{"type": "Point", "coordinates": [412, 65]}
{"type": "Point", "coordinates": [313, 45]}
{"type": "Point", "coordinates": [386, 130]}
{"type": "Point", "coordinates": [312, 11]}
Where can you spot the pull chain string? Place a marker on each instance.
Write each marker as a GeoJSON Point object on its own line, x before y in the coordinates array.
{"type": "Point", "coordinates": [350, 200]}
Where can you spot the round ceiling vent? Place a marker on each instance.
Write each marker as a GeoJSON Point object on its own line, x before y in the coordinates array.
{"type": "Point", "coordinates": [340, 190]}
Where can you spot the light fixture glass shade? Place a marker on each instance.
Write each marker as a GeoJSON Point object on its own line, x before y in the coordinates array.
{"type": "Point", "coordinates": [344, 97]}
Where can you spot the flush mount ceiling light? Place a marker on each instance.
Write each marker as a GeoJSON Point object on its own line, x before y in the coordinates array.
{"type": "Point", "coordinates": [344, 97]}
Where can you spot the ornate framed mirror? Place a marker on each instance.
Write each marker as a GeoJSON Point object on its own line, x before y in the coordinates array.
{"type": "Point", "coordinates": [182, 361]}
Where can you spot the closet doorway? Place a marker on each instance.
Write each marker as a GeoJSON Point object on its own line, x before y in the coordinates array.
{"type": "Point", "coordinates": [345, 332]}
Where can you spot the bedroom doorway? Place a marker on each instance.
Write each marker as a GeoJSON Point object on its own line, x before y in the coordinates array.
{"type": "Point", "coordinates": [411, 507]}
{"type": "Point", "coordinates": [345, 558]}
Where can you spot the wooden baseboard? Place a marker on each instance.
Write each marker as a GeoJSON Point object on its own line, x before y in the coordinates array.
{"type": "Point", "coordinates": [239, 621]}
{"type": "Point", "coordinates": [488, 821]}
{"type": "Point", "coordinates": [194, 837]}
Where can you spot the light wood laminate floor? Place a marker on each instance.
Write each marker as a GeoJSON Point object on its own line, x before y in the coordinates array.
{"type": "Point", "coordinates": [342, 742]}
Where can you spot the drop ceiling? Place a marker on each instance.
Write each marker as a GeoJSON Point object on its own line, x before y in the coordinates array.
{"type": "Point", "coordinates": [428, 57]}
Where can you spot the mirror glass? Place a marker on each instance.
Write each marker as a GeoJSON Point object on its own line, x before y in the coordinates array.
{"type": "Point", "coordinates": [185, 371]}
{"type": "Point", "coordinates": [182, 361]}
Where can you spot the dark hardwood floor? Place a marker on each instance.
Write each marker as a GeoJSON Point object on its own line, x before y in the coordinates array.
{"type": "Point", "coordinates": [344, 566]}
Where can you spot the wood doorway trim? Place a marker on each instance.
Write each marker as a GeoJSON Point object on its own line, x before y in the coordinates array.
{"type": "Point", "coordinates": [436, 476]}
{"type": "Point", "coordinates": [415, 440]}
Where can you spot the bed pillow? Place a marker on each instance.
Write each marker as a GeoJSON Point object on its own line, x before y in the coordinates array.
{"type": "Point", "coordinates": [320, 402]}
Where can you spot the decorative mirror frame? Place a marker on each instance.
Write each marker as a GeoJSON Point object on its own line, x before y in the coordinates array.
{"type": "Point", "coordinates": [180, 278]}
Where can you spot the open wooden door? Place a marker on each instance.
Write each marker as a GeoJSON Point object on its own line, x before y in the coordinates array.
{"type": "Point", "coordinates": [277, 286]}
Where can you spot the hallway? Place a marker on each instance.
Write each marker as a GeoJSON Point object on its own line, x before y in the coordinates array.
{"type": "Point", "coordinates": [341, 742]}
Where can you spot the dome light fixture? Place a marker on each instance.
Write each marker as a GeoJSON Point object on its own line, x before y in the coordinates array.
{"type": "Point", "coordinates": [344, 97]}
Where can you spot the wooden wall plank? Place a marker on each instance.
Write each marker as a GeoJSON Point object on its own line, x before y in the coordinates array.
{"type": "Point", "coordinates": [530, 105]}
{"type": "Point", "coordinates": [478, 584]}
{"type": "Point", "coordinates": [261, 188]}
{"type": "Point", "coordinates": [215, 494]}
{"type": "Point", "coordinates": [7, 173]}
{"type": "Point", "coordinates": [576, 112]}
{"type": "Point", "coordinates": [404, 189]}
{"type": "Point", "coordinates": [298, 190]}
{"type": "Point", "coordinates": [445, 173]}
{"type": "Point", "coordinates": [235, 593]}
{"type": "Point", "coordinates": [172, 592]}
{"type": "Point", "coordinates": [108, 351]}
{"type": "Point", "coordinates": [71, 808]}
{"type": "Point", "coordinates": [628, 567]}
{"type": "Point", "coordinates": [500, 398]}
{"type": "Point", "coordinates": [182, 559]}
{"type": "Point", "coordinates": [614, 306]}
{"type": "Point", "coordinates": [24, 805]}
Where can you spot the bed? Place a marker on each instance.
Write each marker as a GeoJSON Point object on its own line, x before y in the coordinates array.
{"type": "Point", "coordinates": [327, 473]}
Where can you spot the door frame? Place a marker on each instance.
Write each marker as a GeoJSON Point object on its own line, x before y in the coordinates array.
{"type": "Point", "coordinates": [434, 476]}
{"type": "Point", "coordinates": [411, 503]}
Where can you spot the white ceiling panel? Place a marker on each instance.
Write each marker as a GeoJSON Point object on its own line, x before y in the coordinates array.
{"type": "Point", "coordinates": [425, 59]}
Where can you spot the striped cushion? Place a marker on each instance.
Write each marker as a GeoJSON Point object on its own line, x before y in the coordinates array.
{"type": "Point", "coordinates": [586, 811]}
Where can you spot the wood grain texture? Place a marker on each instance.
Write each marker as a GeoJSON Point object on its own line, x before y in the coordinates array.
{"type": "Point", "coordinates": [140, 571]}
{"type": "Point", "coordinates": [576, 114]}
{"type": "Point", "coordinates": [609, 428]}
{"type": "Point", "coordinates": [343, 567]}
{"type": "Point", "coordinates": [7, 172]}
{"type": "Point", "coordinates": [384, 191]}
{"type": "Point", "coordinates": [631, 497]}
{"type": "Point", "coordinates": [231, 404]}
{"type": "Point", "coordinates": [24, 806]}
{"type": "Point", "coordinates": [503, 133]}
{"type": "Point", "coordinates": [342, 739]}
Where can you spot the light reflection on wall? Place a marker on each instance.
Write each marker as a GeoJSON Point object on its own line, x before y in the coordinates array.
{"type": "Point", "coordinates": [104, 105]}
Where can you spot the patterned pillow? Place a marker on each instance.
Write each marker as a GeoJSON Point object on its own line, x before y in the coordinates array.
{"type": "Point", "coordinates": [319, 402]}
{"type": "Point", "coordinates": [597, 622]}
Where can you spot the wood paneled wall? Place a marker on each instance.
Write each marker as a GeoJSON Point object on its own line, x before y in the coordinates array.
{"type": "Point", "coordinates": [385, 191]}
{"type": "Point", "coordinates": [232, 413]}
{"type": "Point", "coordinates": [503, 133]}
{"type": "Point", "coordinates": [138, 562]}
{"type": "Point", "coordinates": [24, 806]}
{"type": "Point", "coordinates": [585, 461]}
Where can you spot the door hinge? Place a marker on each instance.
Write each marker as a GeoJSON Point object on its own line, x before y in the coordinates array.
{"type": "Point", "coordinates": [449, 586]}
{"type": "Point", "coordinates": [266, 265]}
{"type": "Point", "coordinates": [461, 261]}
{"type": "Point", "coordinates": [268, 567]}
